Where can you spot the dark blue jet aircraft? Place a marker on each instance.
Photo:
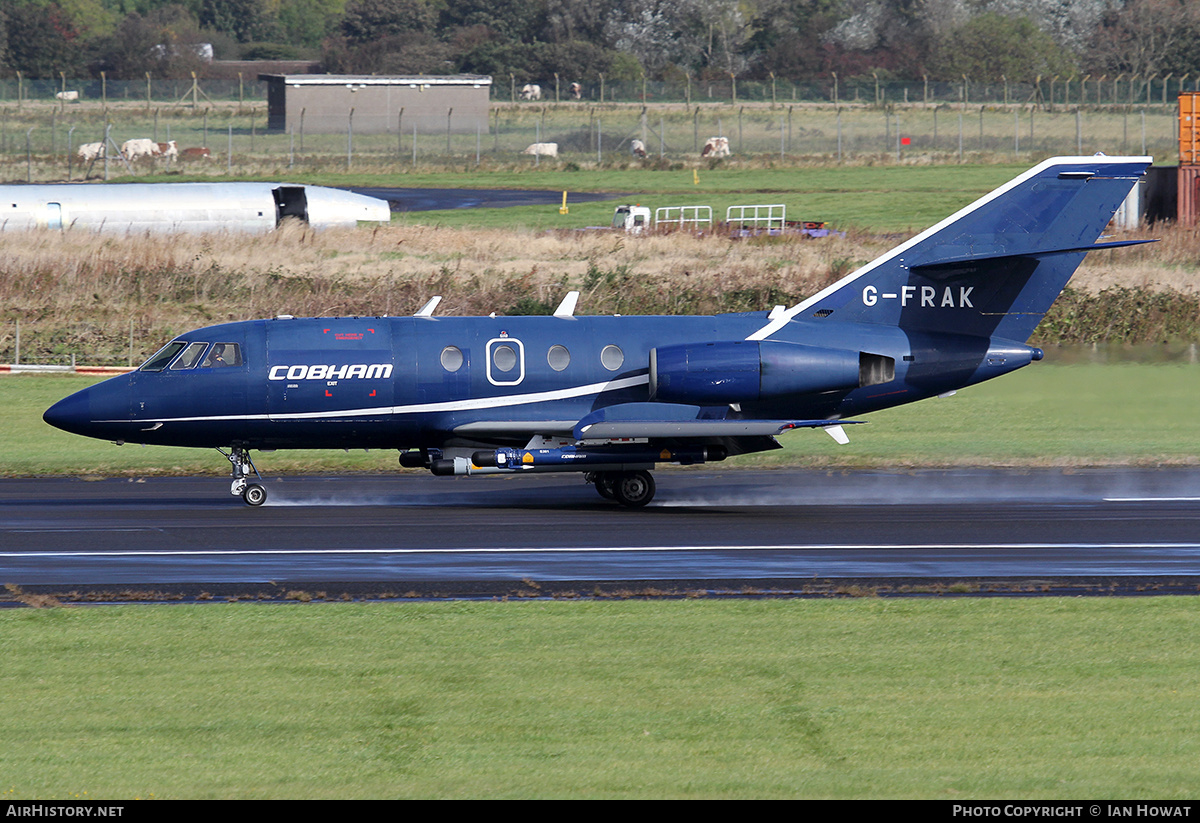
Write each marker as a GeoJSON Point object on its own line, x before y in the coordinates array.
{"type": "Point", "coordinates": [613, 396]}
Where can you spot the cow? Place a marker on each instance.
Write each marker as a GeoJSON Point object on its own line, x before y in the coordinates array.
{"type": "Point", "coordinates": [66, 95]}
{"type": "Point", "coordinates": [196, 153]}
{"type": "Point", "coordinates": [637, 148]}
{"type": "Point", "coordinates": [531, 92]}
{"type": "Point", "coordinates": [88, 152]}
{"type": "Point", "coordinates": [168, 150]}
{"type": "Point", "coordinates": [715, 147]}
{"type": "Point", "coordinates": [138, 147]}
{"type": "Point", "coordinates": [576, 91]}
{"type": "Point", "coordinates": [542, 149]}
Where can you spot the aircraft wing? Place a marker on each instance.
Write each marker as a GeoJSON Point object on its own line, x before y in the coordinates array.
{"type": "Point", "coordinates": [670, 420]}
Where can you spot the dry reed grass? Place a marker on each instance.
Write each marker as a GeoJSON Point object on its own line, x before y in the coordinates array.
{"type": "Point", "coordinates": [80, 293]}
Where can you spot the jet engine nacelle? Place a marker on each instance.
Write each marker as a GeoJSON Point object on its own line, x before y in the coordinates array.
{"type": "Point", "coordinates": [739, 371]}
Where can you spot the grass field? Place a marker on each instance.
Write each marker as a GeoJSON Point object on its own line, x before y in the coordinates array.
{"type": "Point", "coordinates": [953, 699]}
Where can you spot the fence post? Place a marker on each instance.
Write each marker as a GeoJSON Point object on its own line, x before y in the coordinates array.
{"type": "Point", "coordinates": [70, 141]}
{"type": "Point", "coordinates": [449, 114]}
{"type": "Point", "coordinates": [839, 133]}
{"type": "Point", "coordinates": [350, 138]}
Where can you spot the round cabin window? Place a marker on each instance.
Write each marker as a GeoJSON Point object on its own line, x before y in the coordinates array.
{"type": "Point", "coordinates": [612, 357]}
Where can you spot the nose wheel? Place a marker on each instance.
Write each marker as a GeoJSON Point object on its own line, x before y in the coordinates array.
{"type": "Point", "coordinates": [254, 494]}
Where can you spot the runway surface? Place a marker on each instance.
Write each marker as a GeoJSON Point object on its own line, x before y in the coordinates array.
{"type": "Point", "coordinates": [786, 531]}
{"type": "Point", "coordinates": [402, 200]}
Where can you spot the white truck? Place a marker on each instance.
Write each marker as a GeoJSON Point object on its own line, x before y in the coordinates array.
{"type": "Point", "coordinates": [633, 219]}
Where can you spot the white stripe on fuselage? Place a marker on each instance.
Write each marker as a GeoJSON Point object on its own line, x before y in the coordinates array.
{"type": "Point", "coordinates": [420, 408]}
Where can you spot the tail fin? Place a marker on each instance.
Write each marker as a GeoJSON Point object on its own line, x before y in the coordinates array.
{"type": "Point", "coordinates": [994, 268]}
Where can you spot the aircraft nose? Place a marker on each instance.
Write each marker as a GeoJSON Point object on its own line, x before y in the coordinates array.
{"type": "Point", "coordinates": [71, 414]}
{"type": "Point", "coordinates": [98, 411]}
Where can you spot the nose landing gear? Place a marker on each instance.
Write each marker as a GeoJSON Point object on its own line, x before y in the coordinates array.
{"type": "Point", "coordinates": [254, 494]}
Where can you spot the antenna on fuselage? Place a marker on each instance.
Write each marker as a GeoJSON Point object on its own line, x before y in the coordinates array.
{"type": "Point", "coordinates": [567, 307]}
{"type": "Point", "coordinates": [427, 309]}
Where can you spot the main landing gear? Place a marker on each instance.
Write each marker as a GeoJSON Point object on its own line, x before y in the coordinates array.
{"type": "Point", "coordinates": [633, 490]}
{"type": "Point", "coordinates": [253, 493]}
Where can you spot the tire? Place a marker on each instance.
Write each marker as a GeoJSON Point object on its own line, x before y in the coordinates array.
{"type": "Point", "coordinates": [606, 485]}
{"type": "Point", "coordinates": [254, 495]}
{"type": "Point", "coordinates": [634, 489]}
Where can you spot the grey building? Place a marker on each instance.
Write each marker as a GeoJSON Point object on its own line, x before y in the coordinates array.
{"type": "Point", "coordinates": [322, 103]}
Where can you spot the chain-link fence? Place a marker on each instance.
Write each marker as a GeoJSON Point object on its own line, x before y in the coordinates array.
{"type": "Point", "coordinates": [42, 142]}
{"type": "Point", "coordinates": [1049, 91]}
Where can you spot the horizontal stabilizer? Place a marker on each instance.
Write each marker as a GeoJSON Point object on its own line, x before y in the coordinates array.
{"type": "Point", "coordinates": [959, 262]}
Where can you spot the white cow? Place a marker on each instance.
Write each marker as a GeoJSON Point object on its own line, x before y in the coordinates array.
{"type": "Point", "coordinates": [576, 91]}
{"type": "Point", "coordinates": [542, 149]}
{"type": "Point", "coordinates": [66, 95]}
{"type": "Point", "coordinates": [139, 147]}
{"type": "Point", "coordinates": [531, 92]}
{"type": "Point", "coordinates": [90, 151]}
{"type": "Point", "coordinates": [637, 148]}
{"type": "Point", "coordinates": [716, 147]}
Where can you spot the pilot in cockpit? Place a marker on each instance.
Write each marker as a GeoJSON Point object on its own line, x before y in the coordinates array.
{"type": "Point", "coordinates": [217, 358]}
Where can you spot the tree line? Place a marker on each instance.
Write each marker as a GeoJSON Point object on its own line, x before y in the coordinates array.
{"type": "Point", "coordinates": [623, 40]}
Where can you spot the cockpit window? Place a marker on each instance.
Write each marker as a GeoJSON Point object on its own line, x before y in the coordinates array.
{"type": "Point", "coordinates": [223, 354]}
{"type": "Point", "coordinates": [190, 357]}
{"type": "Point", "coordinates": [159, 361]}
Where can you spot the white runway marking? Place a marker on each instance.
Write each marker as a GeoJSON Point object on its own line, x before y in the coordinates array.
{"type": "Point", "coordinates": [626, 549]}
{"type": "Point", "coordinates": [1152, 500]}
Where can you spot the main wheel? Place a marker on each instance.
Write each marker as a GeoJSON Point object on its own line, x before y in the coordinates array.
{"type": "Point", "coordinates": [634, 489]}
{"type": "Point", "coordinates": [606, 485]}
{"type": "Point", "coordinates": [254, 495]}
